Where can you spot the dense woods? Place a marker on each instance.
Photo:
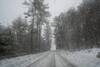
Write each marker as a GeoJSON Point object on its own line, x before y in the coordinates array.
{"type": "Point", "coordinates": [24, 35]}
{"type": "Point", "coordinates": [79, 28]}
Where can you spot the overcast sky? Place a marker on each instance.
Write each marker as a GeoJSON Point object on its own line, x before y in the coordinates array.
{"type": "Point", "coordinates": [10, 9]}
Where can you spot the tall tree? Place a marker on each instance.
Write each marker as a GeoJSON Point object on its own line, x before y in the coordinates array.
{"type": "Point", "coordinates": [19, 29]}
{"type": "Point", "coordinates": [90, 10]}
{"type": "Point", "coordinates": [37, 11]}
{"type": "Point", "coordinates": [81, 27]}
{"type": "Point", "coordinates": [47, 36]}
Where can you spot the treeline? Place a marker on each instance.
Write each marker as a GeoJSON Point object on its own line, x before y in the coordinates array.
{"type": "Point", "coordinates": [26, 35]}
{"type": "Point", "coordinates": [79, 28]}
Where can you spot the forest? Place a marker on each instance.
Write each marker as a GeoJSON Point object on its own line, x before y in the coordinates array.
{"type": "Point", "coordinates": [76, 29]}
{"type": "Point", "coordinates": [24, 35]}
{"type": "Point", "coordinates": [79, 28]}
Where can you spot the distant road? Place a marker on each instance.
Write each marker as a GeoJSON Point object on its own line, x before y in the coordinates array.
{"type": "Point", "coordinates": [47, 59]}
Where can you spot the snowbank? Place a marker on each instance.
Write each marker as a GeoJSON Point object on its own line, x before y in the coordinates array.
{"type": "Point", "coordinates": [84, 58]}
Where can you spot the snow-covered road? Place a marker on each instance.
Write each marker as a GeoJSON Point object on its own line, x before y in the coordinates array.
{"type": "Point", "coordinates": [54, 59]}
{"type": "Point", "coordinates": [47, 59]}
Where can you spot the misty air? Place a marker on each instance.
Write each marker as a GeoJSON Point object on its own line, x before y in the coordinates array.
{"type": "Point", "coordinates": [49, 33]}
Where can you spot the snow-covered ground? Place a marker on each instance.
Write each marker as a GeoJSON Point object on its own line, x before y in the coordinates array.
{"type": "Point", "coordinates": [22, 61]}
{"type": "Point", "coordinates": [83, 58]}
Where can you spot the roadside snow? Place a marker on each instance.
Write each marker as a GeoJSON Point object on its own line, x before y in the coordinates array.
{"type": "Point", "coordinates": [22, 61]}
{"type": "Point", "coordinates": [84, 58]}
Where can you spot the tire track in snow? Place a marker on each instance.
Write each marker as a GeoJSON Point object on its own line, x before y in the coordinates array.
{"type": "Point", "coordinates": [36, 62]}
{"type": "Point", "coordinates": [65, 62]}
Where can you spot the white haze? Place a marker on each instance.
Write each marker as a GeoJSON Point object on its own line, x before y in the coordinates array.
{"type": "Point", "coordinates": [10, 9]}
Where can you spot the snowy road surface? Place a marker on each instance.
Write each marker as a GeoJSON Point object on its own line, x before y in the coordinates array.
{"type": "Point", "coordinates": [53, 59]}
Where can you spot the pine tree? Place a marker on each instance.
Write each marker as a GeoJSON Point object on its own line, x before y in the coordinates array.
{"type": "Point", "coordinates": [37, 11]}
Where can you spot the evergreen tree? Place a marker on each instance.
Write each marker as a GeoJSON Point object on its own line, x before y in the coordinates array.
{"type": "Point", "coordinates": [38, 13]}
